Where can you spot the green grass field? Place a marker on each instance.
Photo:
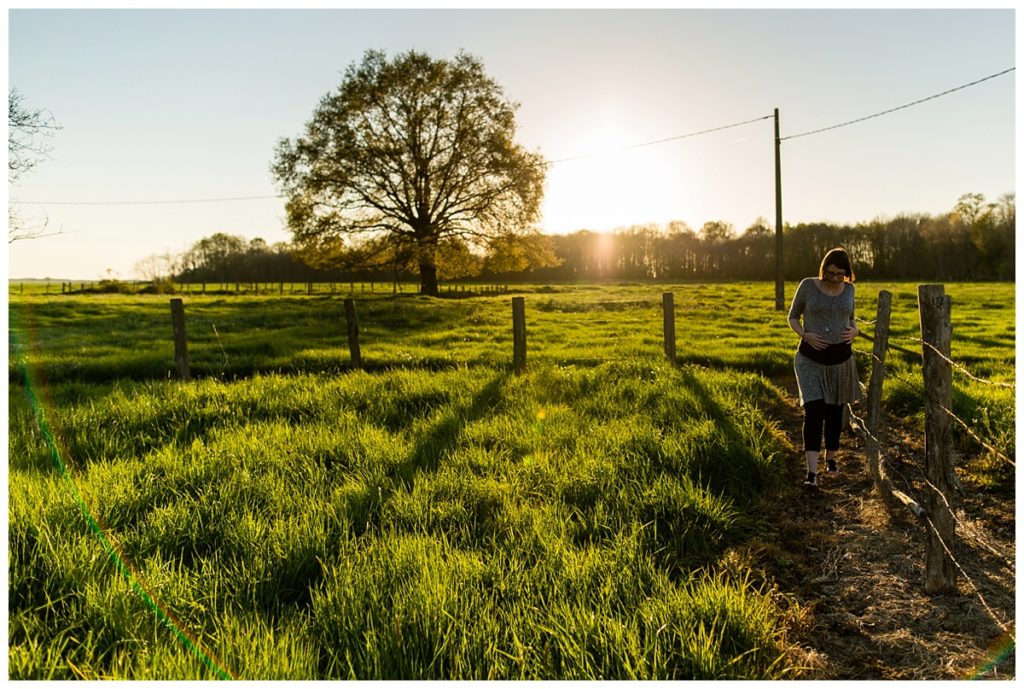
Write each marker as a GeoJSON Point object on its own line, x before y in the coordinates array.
{"type": "Point", "coordinates": [433, 516]}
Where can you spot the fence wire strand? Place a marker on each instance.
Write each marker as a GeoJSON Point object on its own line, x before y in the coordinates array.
{"type": "Point", "coordinates": [963, 424]}
{"type": "Point", "coordinates": [1000, 556]}
{"type": "Point", "coordinates": [974, 537]}
{"type": "Point", "coordinates": [970, 582]}
{"type": "Point", "coordinates": [962, 369]}
{"type": "Point", "coordinates": [974, 435]}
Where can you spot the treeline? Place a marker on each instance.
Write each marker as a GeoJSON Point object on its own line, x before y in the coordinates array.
{"type": "Point", "coordinates": [974, 241]}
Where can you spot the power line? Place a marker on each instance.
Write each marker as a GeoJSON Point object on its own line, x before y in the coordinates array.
{"type": "Point", "coordinates": [553, 162]}
{"type": "Point", "coordinates": [143, 203]}
{"type": "Point", "coordinates": [278, 196]}
{"type": "Point", "coordinates": [661, 141]}
{"type": "Point", "coordinates": [901, 107]}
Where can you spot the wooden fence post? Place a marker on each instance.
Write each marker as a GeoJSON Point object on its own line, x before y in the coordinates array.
{"type": "Point", "coordinates": [669, 309]}
{"type": "Point", "coordinates": [934, 305]}
{"type": "Point", "coordinates": [180, 345]}
{"type": "Point", "coordinates": [873, 414]}
{"type": "Point", "coordinates": [518, 334]}
{"type": "Point", "coordinates": [353, 333]}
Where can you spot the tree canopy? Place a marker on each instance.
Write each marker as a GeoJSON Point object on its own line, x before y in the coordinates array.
{"type": "Point", "coordinates": [406, 156]}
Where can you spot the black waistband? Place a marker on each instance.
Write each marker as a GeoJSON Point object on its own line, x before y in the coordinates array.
{"type": "Point", "coordinates": [830, 356]}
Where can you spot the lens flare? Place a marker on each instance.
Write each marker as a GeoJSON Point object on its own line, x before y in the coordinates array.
{"type": "Point", "coordinates": [35, 390]}
{"type": "Point", "coordinates": [998, 651]}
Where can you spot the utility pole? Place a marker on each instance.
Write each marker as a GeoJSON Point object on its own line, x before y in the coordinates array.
{"type": "Point", "coordinates": [780, 296]}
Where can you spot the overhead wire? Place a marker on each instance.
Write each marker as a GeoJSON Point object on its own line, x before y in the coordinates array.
{"type": "Point", "coordinates": [552, 162]}
{"type": "Point", "coordinates": [662, 141]}
{"type": "Point", "coordinates": [146, 203]}
{"type": "Point", "coordinates": [280, 196]}
{"type": "Point", "coordinates": [900, 107]}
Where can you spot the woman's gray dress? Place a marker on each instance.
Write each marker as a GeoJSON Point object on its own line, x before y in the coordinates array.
{"type": "Point", "coordinates": [826, 316]}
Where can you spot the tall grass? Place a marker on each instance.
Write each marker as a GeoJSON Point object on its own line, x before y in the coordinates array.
{"type": "Point", "coordinates": [434, 516]}
{"type": "Point", "coordinates": [403, 524]}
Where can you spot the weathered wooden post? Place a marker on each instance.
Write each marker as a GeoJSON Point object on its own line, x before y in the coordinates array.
{"type": "Point", "coordinates": [180, 345]}
{"type": "Point", "coordinates": [934, 306]}
{"type": "Point", "coordinates": [873, 413]}
{"type": "Point", "coordinates": [669, 309]}
{"type": "Point", "coordinates": [353, 333]}
{"type": "Point", "coordinates": [518, 334]}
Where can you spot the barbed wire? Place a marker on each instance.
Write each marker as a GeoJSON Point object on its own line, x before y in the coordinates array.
{"type": "Point", "coordinates": [923, 513]}
{"type": "Point", "coordinates": [981, 442]}
{"type": "Point", "coordinates": [890, 346]}
{"type": "Point", "coordinates": [967, 428]}
{"type": "Point", "coordinates": [962, 369]}
{"type": "Point", "coordinates": [966, 576]}
{"type": "Point", "coordinates": [909, 500]}
{"type": "Point", "coordinates": [959, 367]}
{"type": "Point", "coordinates": [1002, 557]}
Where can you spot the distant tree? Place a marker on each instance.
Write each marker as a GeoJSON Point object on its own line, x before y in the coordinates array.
{"type": "Point", "coordinates": [27, 130]}
{"type": "Point", "coordinates": [157, 267]}
{"type": "Point", "coordinates": [414, 148]}
{"type": "Point", "coordinates": [968, 208]}
{"type": "Point", "coordinates": [215, 258]}
{"type": "Point", "coordinates": [717, 231]}
{"type": "Point", "coordinates": [516, 253]}
{"type": "Point", "coordinates": [759, 230]}
{"type": "Point", "coordinates": [992, 233]}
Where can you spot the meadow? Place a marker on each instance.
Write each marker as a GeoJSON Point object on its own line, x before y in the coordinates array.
{"type": "Point", "coordinates": [432, 516]}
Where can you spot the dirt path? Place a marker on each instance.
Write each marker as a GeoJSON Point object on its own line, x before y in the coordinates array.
{"type": "Point", "coordinates": [856, 571]}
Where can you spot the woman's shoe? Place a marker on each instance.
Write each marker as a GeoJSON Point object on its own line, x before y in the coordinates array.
{"type": "Point", "coordinates": [812, 480]}
{"type": "Point", "coordinates": [830, 466]}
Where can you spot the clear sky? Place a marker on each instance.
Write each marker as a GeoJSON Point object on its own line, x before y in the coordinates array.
{"type": "Point", "coordinates": [173, 105]}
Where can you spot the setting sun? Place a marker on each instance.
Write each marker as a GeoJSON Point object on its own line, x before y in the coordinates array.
{"type": "Point", "coordinates": [613, 182]}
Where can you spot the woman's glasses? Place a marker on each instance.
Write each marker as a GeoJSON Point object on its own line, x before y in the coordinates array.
{"type": "Point", "coordinates": [835, 273]}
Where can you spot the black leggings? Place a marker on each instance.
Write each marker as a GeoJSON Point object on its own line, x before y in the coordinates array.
{"type": "Point", "coordinates": [816, 415]}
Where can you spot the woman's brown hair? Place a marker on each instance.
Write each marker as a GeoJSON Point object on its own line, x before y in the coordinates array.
{"type": "Point", "coordinates": [837, 257]}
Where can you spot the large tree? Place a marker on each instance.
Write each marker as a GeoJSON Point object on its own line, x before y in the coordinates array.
{"type": "Point", "coordinates": [413, 149]}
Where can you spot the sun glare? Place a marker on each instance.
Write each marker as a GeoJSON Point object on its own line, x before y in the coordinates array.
{"type": "Point", "coordinates": [608, 184]}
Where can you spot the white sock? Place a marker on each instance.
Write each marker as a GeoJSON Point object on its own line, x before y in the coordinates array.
{"type": "Point", "coordinates": [812, 462]}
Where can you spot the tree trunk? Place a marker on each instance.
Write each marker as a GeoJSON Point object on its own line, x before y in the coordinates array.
{"type": "Point", "coordinates": [428, 279]}
{"type": "Point", "coordinates": [428, 265]}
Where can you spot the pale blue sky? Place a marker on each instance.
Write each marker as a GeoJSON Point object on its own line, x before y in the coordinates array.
{"type": "Point", "coordinates": [188, 104]}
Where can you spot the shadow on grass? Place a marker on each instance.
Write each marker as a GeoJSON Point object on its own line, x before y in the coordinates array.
{"type": "Point", "coordinates": [443, 436]}
{"type": "Point", "coordinates": [732, 469]}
